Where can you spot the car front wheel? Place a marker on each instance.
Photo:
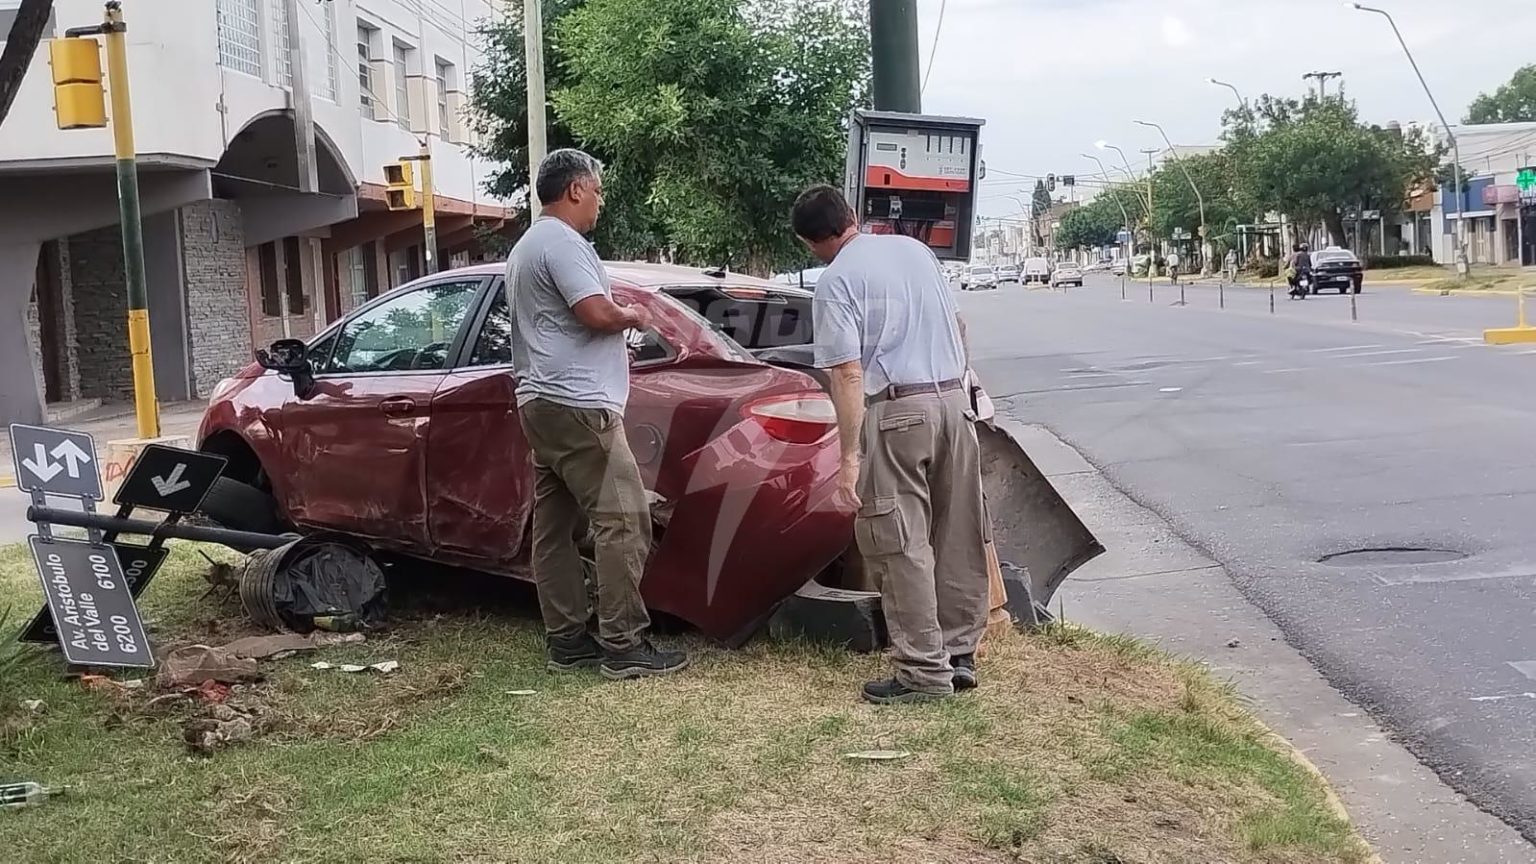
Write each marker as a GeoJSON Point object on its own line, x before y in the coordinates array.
{"type": "Point", "coordinates": [241, 507]}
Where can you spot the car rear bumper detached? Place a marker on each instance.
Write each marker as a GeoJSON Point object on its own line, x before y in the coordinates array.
{"type": "Point", "coordinates": [756, 519]}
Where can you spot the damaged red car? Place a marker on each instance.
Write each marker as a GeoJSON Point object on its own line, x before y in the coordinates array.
{"type": "Point", "coordinates": [400, 428]}
{"type": "Point", "coordinates": [397, 424]}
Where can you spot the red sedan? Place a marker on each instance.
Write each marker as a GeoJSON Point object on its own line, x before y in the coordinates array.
{"type": "Point", "coordinates": [401, 429]}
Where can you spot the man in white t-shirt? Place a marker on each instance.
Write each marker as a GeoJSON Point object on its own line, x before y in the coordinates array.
{"type": "Point", "coordinates": [889, 335]}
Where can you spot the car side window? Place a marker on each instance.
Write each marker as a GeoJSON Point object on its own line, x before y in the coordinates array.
{"type": "Point", "coordinates": [493, 345]}
{"type": "Point", "coordinates": [411, 332]}
{"type": "Point", "coordinates": [320, 353]}
{"type": "Point", "coordinates": [647, 346]}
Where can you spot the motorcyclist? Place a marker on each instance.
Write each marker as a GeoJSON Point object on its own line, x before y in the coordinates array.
{"type": "Point", "coordinates": [1300, 262]}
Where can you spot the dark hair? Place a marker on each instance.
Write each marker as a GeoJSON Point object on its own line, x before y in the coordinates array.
{"type": "Point", "coordinates": [560, 169]}
{"type": "Point", "coordinates": [820, 213]}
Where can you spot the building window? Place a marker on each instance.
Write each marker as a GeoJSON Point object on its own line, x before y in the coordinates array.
{"type": "Point", "coordinates": [293, 276]}
{"type": "Point", "coordinates": [271, 297]}
{"type": "Point", "coordinates": [332, 67]}
{"type": "Point", "coordinates": [365, 66]}
{"type": "Point", "coordinates": [283, 37]}
{"type": "Point", "coordinates": [402, 94]}
{"type": "Point", "coordinates": [445, 82]}
{"type": "Point", "coordinates": [357, 286]}
{"type": "Point", "coordinates": [239, 26]}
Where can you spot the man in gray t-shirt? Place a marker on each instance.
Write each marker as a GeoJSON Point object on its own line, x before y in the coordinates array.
{"type": "Point", "coordinates": [572, 367]}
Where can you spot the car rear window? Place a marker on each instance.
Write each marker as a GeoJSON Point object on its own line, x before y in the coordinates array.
{"type": "Point", "coordinates": [1320, 257]}
{"type": "Point", "coordinates": [752, 317]}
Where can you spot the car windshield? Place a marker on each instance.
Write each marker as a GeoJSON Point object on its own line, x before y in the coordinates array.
{"type": "Point", "coordinates": [981, 271]}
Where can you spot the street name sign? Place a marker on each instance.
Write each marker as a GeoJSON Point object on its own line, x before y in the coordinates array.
{"type": "Point", "coordinates": [55, 461]}
{"type": "Point", "coordinates": [91, 602]}
{"type": "Point", "coordinates": [139, 563]}
{"type": "Point", "coordinates": [170, 478]}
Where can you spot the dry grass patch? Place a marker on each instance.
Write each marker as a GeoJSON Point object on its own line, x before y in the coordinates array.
{"type": "Point", "coordinates": [1076, 748]}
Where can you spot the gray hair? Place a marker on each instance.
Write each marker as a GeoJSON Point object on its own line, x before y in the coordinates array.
{"type": "Point", "coordinates": [560, 169]}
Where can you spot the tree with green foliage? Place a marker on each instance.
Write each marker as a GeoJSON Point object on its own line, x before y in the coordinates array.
{"type": "Point", "coordinates": [1094, 224]}
{"type": "Point", "coordinates": [1039, 205]}
{"type": "Point", "coordinates": [715, 113]}
{"type": "Point", "coordinates": [1175, 205]}
{"type": "Point", "coordinates": [1514, 102]}
{"type": "Point", "coordinates": [1313, 160]}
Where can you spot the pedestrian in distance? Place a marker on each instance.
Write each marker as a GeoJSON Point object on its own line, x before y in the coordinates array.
{"type": "Point", "coordinates": [1173, 267]}
{"type": "Point", "coordinates": [1231, 265]}
{"type": "Point", "coordinates": [889, 335]}
{"type": "Point", "coordinates": [571, 359]}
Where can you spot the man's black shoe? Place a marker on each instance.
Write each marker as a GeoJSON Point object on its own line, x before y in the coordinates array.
{"type": "Point", "coordinates": [890, 692]}
{"type": "Point", "coordinates": [965, 671]}
{"type": "Point", "coordinates": [577, 652]}
{"type": "Point", "coordinates": [641, 661]}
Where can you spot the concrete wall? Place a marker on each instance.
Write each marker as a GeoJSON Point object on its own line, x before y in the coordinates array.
{"type": "Point", "coordinates": [19, 398]}
{"type": "Point", "coordinates": [101, 314]}
{"type": "Point", "coordinates": [218, 321]}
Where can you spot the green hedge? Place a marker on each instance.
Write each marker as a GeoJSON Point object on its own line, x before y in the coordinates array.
{"type": "Point", "coordinates": [1392, 262]}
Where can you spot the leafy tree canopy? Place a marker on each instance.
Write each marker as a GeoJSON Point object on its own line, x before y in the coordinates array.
{"type": "Point", "coordinates": [1514, 102]}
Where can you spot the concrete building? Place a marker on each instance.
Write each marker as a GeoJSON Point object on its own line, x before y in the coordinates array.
{"type": "Point", "coordinates": [262, 129]}
{"type": "Point", "coordinates": [1501, 217]}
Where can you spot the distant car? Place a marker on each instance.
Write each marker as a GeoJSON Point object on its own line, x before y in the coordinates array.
{"type": "Point", "coordinates": [800, 278]}
{"type": "Point", "coordinates": [1036, 270]}
{"type": "Point", "coordinates": [1337, 268]}
{"type": "Point", "coordinates": [1118, 267]}
{"type": "Point", "coordinates": [978, 277]}
{"type": "Point", "coordinates": [1008, 273]}
{"type": "Point", "coordinates": [1067, 274]}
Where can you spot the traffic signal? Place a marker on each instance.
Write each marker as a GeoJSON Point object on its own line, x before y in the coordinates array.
{"type": "Point", "coordinates": [79, 100]}
{"type": "Point", "coordinates": [1050, 182]}
{"type": "Point", "coordinates": [401, 178]}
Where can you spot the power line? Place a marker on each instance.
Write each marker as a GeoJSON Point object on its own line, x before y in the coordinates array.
{"type": "Point", "coordinates": [330, 42]}
{"type": "Point", "coordinates": [933, 49]}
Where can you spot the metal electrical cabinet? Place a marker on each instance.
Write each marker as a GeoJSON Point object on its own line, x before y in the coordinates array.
{"type": "Point", "coordinates": [916, 174]}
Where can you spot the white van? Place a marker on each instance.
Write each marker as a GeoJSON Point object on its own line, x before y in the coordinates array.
{"type": "Point", "coordinates": [1036, 270]}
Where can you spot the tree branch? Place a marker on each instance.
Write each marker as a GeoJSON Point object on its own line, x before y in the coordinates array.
{"type": "Point", "coordinates": [20, 45]}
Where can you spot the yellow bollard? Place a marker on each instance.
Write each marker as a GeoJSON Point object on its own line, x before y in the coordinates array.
{"type": "Point", "coordinates": [1520, 333]}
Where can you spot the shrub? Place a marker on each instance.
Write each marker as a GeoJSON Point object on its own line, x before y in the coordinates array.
{"type": "Point", "coordinates": [1264, 268]}
{"type": "Point", "coordinates": [1393, 262]}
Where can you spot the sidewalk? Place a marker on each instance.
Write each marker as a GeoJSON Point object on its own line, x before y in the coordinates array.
{"type": "Point", "coordinates": [114, 422]}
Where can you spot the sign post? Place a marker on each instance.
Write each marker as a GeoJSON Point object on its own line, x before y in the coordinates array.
{"type": "Point", "coordinates": [1526, 182]}
{"type": "Point", "coordinates": [91, 585]}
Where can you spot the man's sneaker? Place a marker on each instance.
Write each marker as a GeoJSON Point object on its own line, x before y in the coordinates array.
{"type": "Point", "coordinates": [964, 666]}
{"type": "Point", "coordinates": [641, 661]}
{"type": "Point", "coordinates": [577, 652]}
{"type": "Point", "coordinates": [890, 692]}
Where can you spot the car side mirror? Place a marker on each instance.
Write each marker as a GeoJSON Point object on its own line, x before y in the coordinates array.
{"type": "Point", "coordinates": [290, 358]}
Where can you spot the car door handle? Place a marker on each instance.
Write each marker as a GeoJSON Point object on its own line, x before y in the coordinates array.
{"type": "Point", "coordinates": [398, 405]}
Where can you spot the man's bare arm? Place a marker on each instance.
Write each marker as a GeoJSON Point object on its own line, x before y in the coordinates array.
{"type": "Point", "coordinates": [965, 344]}
{"type": "Point", "coordinates": [605, 316]}
{"type": "Point", "coordinates": [847, 386]}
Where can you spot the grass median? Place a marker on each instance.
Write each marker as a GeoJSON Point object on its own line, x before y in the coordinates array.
{"type": "Point", "coordinates": [1076, 748]}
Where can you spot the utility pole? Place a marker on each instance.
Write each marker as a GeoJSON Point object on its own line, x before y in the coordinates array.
{"type": "Point", "coordinates": [893, 50]}
{"type": "Point", "coordinates": [1322, 81]}
{"type": "Point", "coordinates": [429, 207]}
{"type": "Point", "coordinates": [1205, 251]}
{"type": "Point", "coordinates": [303, 114]}
{"type": "Point", "coordinates": [533, 62]}
{"type": "Point", "coordinates": [1150, 235]}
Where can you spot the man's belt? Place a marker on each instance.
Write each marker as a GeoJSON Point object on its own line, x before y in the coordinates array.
{"type": "Point", "coordinates": [902, 391]}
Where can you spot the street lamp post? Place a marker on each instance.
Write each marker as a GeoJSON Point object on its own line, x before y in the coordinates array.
{"type": "Point", "coordinates": [1462, 265]}
{"type": "Point", "coordinates": [1123, 214]}
{"type": "Point", "coordinates": [1240, 100]}
{"type": "Point", "coordinates": [1205, 242]}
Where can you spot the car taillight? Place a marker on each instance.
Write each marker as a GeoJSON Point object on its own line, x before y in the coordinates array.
{"type": "Point", "coordinates": [800, 419]}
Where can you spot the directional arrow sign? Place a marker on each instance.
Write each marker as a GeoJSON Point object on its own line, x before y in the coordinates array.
{"type": "Point", "coordinates": [55, 461]}
{"type": "Point", "coordinates": [170, 478]}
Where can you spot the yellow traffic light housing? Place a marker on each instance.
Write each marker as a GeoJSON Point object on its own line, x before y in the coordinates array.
{"type": "Point", "coordinates": [401, 178]}
{"type": "Point", "coordinates": [79, 100]}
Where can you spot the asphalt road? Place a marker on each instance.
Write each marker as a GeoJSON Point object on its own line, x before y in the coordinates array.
{"type": "Point", "coordinates": [1272, 440]}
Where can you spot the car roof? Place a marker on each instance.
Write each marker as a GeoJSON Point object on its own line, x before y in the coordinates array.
{"type": "Point", "coordinates": [648, 276]}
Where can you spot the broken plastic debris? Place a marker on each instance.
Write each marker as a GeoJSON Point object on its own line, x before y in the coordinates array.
{"type": "Point", "coordinates": [34, 706]}
{"type": "Point", "coordinates": [384, 667]}
{"type": "Point", "coordinates": [519, 692]}
{"type": "Point", "coordinates": [878, 755]}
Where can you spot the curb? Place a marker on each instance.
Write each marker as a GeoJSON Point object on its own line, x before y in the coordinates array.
{"type": "Point", "coordinates": [1468, 292]}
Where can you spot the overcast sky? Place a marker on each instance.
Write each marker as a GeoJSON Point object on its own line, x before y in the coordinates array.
{"type": "Point", "coordinates": [1050, 77]}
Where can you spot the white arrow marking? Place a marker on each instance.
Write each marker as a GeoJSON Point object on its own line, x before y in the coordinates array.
{"type": "Point", "coordinates": [172, 484]}
{"type": "Point", "coordinates": [72, 456]}
{"type": "Point", "coordinates": [40, 465]}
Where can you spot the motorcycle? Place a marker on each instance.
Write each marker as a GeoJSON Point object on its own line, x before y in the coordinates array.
{"type": "Point", "coordinates": [1301, 285]}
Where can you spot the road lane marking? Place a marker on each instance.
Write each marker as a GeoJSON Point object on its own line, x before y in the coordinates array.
{"type": "Point", "coordinates": [1524, 667]}
{"type": "Point", "coordinates": [1169, 389]}
{"type": "Point", "coordinates": [1409, 362]}
{"type": "Point", "coordinates": [1380, 353]}
{"type": "Point", "coordinates": [1284, 371]}
{"type": "Point", "coordinates": [1345, 348]}
{"type": "Point", "coordinates": [1500, 697]}
{"type": "Point", "coordinates": [1248, 363]}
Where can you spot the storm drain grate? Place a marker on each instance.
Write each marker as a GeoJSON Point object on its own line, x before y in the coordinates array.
{"type": "Point", "coordinates": [1391, 556]}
